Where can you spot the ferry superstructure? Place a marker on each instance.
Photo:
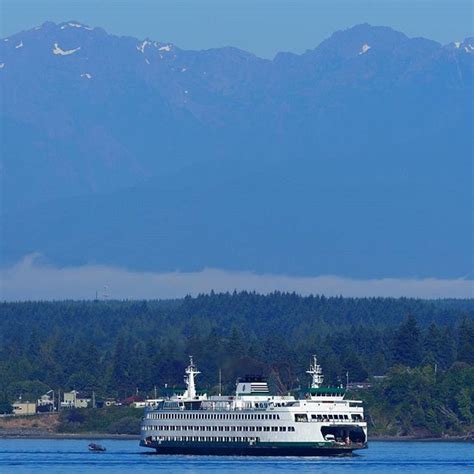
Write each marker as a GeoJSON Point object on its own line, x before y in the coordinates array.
{"type": "Point", "coordinates": [254, 422]}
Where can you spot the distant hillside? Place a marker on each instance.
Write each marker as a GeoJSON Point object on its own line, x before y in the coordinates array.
{"type": "Point", "coordinates": [117, 346]}
{"type": "Point", "coordinates": [114, 348]}
{"type": "Point", "coordinates": [354, 158]}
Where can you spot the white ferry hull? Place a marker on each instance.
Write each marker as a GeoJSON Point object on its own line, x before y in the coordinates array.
{"type": "Point", "coordinates": [255, 423]}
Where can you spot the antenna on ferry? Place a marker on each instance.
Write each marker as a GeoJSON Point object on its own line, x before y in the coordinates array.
{"type": "Point", "coordinates": [190, 371]}
{"type": "Point", "coordinates": [316, 373]}
{"type": "Point", "coordinates": [220, 382]}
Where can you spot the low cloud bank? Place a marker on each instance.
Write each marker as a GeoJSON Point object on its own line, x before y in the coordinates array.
{"type": "Point", "coordinates": [32, 279]}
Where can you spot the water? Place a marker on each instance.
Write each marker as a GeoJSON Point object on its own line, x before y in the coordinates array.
{"type": "Point", "coordinates": [51, 456]}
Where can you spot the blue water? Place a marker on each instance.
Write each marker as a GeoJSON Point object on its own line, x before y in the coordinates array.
{"type": "Point", "coordinates": [21, 456]}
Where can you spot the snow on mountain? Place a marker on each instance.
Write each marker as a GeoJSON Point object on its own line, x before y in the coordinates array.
{"type": "Point", "coordinates": [61, 52]}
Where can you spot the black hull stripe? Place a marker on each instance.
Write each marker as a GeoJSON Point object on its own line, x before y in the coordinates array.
{"type": "Point", "coordinates": [244, 449]}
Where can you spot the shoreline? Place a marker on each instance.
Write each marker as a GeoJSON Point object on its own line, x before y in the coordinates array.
{"type": "Point", "coordinates": [450, 439]}
{"type": "Point", "coordinates": [39, 435]}
{"type": "Point", "coordinates": [129, 437]}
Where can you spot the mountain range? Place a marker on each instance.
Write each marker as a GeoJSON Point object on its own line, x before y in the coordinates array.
{"type": "Point", "coordinates": [354, 158]}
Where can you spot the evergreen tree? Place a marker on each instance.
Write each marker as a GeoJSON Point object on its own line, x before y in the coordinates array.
{"type": "Point", "coordinates": [466, 342]}
{"type": "Point", "coordinates": [407, 343]}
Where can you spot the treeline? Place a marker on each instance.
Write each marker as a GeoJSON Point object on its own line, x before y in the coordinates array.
{"type": "Point", "coordinates": [422, 402]}
{"type": "Point", "coordinates": [115, 348]}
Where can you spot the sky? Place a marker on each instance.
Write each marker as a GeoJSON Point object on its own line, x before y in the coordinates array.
{"type": "Point", "coordinates": [263, 27]}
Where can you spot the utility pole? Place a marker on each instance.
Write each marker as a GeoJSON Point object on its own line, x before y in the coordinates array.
{"type": "Point", "coordinates": [220, 382]}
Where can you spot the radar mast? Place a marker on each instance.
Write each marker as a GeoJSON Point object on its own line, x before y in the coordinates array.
{"type": "Point", "coordinates": [191, 371]}
{"type": "Point", "coordinates": [316, 373]}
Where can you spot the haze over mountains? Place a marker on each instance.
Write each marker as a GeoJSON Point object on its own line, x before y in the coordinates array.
{"type": "Point", "coordinates": [352, 159]}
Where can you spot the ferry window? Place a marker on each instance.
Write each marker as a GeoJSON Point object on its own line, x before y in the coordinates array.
{"type": "Point", "coordinates": [259, 428]}
{"type": "Point", "coordinates": [252, 428]}
{"type": "Point", "coordinates": [301, 417]}
{"type": "Point", "coordinates": [313, 417]}
{"type": "Point", "coordinates": [266, 428]}
{"type": "Point", "coordinates": [274, 428]}
{"type": "Point", "coordinates": [282, 428]}
{"type": "Point", "coordinates": [291, 428]}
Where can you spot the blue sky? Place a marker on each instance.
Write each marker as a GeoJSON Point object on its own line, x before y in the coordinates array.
{"type": "Point", "coordinates": [261, 26]}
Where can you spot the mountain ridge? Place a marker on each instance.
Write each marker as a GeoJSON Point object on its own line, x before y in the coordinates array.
{"type": "Point", "coordinates": [369, 131]}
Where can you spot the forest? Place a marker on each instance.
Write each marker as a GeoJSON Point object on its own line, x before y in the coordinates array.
{"type": "Point", "coordinates": [120, 348]}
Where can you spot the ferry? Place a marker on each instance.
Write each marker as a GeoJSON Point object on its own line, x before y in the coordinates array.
{"type": "Point", "coordinates": [253, 422]}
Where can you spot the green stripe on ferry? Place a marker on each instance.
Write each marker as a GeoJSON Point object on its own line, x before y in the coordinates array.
{"type": "Point", "coordinates": [334, 390]}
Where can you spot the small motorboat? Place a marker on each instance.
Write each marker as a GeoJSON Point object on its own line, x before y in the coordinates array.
{"type": "Point", "coordinates": [96, 448]}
